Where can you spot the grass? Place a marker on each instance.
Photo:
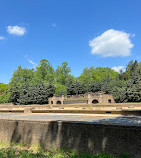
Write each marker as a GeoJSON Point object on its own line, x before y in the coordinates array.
{"type": "Point", "coordinates": [14, 150]}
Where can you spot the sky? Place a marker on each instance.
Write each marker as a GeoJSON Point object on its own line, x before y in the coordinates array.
{"type": "Point", "coordinates": [83, 33]}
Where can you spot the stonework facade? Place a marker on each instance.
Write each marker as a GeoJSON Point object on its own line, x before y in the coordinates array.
{"type": "Point", "coordinates": [89, 98]}
{"type": "Point", "coordinates": [100, 98]}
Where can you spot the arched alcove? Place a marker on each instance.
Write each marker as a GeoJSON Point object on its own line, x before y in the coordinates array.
{"type": "Point", "coordinates": [95, 101]}
{"type": "Point", "coordinates": [109, 101]}
{"type": "Point", "coordinates": [58, 102]}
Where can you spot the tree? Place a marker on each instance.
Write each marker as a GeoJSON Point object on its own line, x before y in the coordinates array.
{"type": "Point", "coordinates": [62, 73]}
{"type": "Point", "coordinates": [35, 94]}
{"type": "Point", "coordinates": [14, 93]}
{"type": "Point", "coordinates": [95, 86]}
{"type": "Point", "coordinates": [74, 86]}
{"type": "Point", "coordinates": [28, 86]}
{"type": "Point", "coordinates": [44, 73]}
{"type": "Point", "coordinates": [25, 96]}
{"type": "Point", "coordinates": [21, 76]}
{"type": "Point", "coordinates": [43, 92]}
{"type": "Point", "coordinates": [60, 90]}
{"type": "Point", "coordinates": [4, 96]}
{"type": "Point", "coordinates": [134, 86]}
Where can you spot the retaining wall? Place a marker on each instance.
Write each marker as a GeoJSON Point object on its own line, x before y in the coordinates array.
{"type": "Point", "coordinates": [84, 137]}
{"type": "Point", "coordinates": [75, 101]}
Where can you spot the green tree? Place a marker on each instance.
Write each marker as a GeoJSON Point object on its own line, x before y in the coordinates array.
{"type": "Point", "coordinates": [4, 96]}
{"type": "Point", "coordinates": [35, 94]}
{"type": "Point", "coordinates": [44, 73]}
{"type": "Point", "coordinates": [14, 93]}
{"type": "Point", "coordinates": [134, 86]}
{"type": "Point", "coordinates": [94, 77]}
{"type": "Point", "coordinates": [74, 86]}
{"type": "Point", "coordinates": [60, 90]}
{"type": "Point", "coordinates": [62, 73]}
{"type": "Point", "coordinates": [21, 76]}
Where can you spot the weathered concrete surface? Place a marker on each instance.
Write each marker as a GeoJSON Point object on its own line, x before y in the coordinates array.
{"type": "Point", "coordinates": [28, 110]}
{"type": "Point", "coordinates": [62, 109]}
{"type": "Point", "coordinates": [82, 136]}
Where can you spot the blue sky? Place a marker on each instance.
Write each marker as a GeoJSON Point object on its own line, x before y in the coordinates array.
{"type": "Point", "coordinates": [84, 33]}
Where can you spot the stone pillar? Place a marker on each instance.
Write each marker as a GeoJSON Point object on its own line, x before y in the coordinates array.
{"type": "Point", "coordinates": [89, 99]}
{"type": "Point", "coordinates": [100, 100]}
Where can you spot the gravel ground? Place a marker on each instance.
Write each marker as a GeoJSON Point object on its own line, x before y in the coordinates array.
{"type": "Point", "coordinates": [98, 119]}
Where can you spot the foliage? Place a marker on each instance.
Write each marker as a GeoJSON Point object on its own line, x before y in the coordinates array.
{"type": "Point", "coordinates": [21, 76]}
{"type": "Point", "coordinates": [91, 74]}
{"type": "Point", "coordinates": [74, 86]}
{"type": "Point", "coordinates": [4, 97]}
{"type": "Point", "coordinates": [35, 86]}
{"type": "Point", "coordinates": [62, 73]}
{"type": "Point", "coordinates": [35, 94]}
{"type": "Point", "coordinates": [44, 73]}
{"type": "Point", "coordinates": [60, 90]}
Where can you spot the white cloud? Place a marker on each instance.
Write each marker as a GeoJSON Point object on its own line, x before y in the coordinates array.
{"type": "Point", "coordinates": [31, 62]}
{"type": "Point", "coordinates": [53, 24]}
{"type": "Point", "coordinates": [112, 43]}
{"type": "Point", "coordinates": [2, 38]}
{"type": "Point", "coordinates": [118, 68]}
{"type": "Point", "coordinates": [16, 30]}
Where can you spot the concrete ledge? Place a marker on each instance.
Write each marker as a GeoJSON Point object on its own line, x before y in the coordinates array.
{"type": "Point", "coordinates": [84, 111]}
{"type": "Point", "coordinates": [28, 110]}
{"type": "Point", "coordinates": [74, 105]}
{"type": "Point", "coordinates": [84, 137]}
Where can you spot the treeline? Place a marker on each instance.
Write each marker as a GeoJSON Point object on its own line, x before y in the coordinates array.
{"type": "Point", "coordinates": [34, 86]}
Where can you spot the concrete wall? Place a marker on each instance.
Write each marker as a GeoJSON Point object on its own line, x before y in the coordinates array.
{"type": "Point", "coordinates": [84, 137]}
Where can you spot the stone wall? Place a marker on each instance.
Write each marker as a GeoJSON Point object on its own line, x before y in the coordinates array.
{"type": "Point", "coordinates": [77, 97]}
{"type": "Point", "coordinates": [56, 100]}
{"type": "Point", "coordinates": [90, 98]}
{"type": "Point", "coordinates": [75, 101]}
{"type": "Point", "coordinates": [100, 98]}
{"type": "Point", "coordinates": [84, 137]}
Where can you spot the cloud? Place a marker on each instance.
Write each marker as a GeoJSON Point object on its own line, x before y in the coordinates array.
{"type": "Point", "coordinates": [112, 43]}
{"type": "Point", "coordinates": [31, 62]}
{"type": "Point", "coordinates": [16, 30]}
{"type": "Point", "coordinates": [53, 24]}
{"type": "Point", "coordinates": [2, 38]}
{"type": "Point", "coordinates": [118, 68]}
